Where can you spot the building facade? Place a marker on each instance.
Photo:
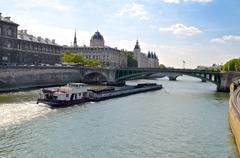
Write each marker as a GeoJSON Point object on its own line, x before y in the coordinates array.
{"type": "Point", "coordinates": [17, 47]}
{"type": "Point", "coordinates": [111, 57]}
{"type": "Point", "coordinates": [145, 61]}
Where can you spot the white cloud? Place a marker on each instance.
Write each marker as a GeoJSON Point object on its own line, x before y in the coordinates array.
{"type": "Point", "coordinates": [225, 39]}
{"type": "Point", "coordinates": [134, 10]}
{"type": "Point", "coordinates": [63, 36]}
{"type": "Point", "coordinates": [53, 4]}
{"type": "Point", "coordinates": [180, 1]}
{"type": "Point", "coordinates": [174, 54]}
{"type": "Point", "coordinates": [172, 1]}
{"type": "Point", "coordinates": [199, 1]}
{"type": "Point", "coordinates": [181, 30]}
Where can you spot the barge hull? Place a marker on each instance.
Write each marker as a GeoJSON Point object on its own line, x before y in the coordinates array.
{"type": "Point", "coordinates": [114, 94]}
{"type": "Point", "coordinates": [127, 92]}
{"type": "Point", "coordinates": [61, 104]}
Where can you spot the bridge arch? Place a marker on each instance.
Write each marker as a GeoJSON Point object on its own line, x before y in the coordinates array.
{"type": "Point", "coordinates": [95, 77]}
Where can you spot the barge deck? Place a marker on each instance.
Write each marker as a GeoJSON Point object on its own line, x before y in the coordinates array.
{"type": "Point", "coordinates": [93, 95]}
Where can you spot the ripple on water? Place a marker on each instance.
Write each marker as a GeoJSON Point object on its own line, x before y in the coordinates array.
{"type": "Point", "coordinates": [16, 113]}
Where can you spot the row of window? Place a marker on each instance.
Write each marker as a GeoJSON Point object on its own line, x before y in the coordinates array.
{"type": "Point", "coordinates": [9, 31]}
{"type": "Point", "coordinates": [92, 48]}
{"type": "Point", "coordinates": [28, 46]}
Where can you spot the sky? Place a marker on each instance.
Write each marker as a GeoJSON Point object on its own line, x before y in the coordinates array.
{"type": "Point", "coordinates": [199, 32]}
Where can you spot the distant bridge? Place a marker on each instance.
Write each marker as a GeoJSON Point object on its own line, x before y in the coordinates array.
{"type": "Point", "coordinates": [221, 79]}
{"type": "Point", "coordinates": [12, 78]}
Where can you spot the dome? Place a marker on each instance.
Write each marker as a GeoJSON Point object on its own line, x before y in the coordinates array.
{"type": "Point", "coordinates": [97, 40]}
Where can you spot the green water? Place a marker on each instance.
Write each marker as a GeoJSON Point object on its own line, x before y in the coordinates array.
{"type": "Point", "coordinates": [186, 119]}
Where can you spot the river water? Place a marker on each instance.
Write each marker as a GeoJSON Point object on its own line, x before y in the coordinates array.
{"type": "Point", "coordinates": [186, 119]}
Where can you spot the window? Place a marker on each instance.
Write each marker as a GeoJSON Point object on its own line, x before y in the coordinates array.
{"type": "Point", "coordinates": [79, 94]}
{"type": "Point", "coordinates": [0, 30]}
{"type": "Point", "coordinates": [4, 58]}
{"type": "Point", "coordinates": [67, 95]}
{"type": "Point", "coordinates": [9, 32]}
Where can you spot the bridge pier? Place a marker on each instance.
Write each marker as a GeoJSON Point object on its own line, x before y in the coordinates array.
{"type": "Point", "coordinates": [172, 78]}
{"type": "Point", "coordinates": [226, 79]}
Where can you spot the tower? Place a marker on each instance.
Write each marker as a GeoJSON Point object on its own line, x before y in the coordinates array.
{"type": "Point", "coordinates": [137, 48]}
{"type": "Point", "coordinates": [75, 39]}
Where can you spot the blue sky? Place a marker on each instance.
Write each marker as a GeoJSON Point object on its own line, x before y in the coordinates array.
{"type": "Point", "coordinates": [201, 32]}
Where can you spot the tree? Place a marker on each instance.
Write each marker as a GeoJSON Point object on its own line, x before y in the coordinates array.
{"type": "Point", "coordinates": [162, 66]}
{"type": "Point", "coordinates": [232, 65]}
{"type": "Point", "coordinates": [132, 61]}
{"type": "Point", "coordinates": [78, 58]}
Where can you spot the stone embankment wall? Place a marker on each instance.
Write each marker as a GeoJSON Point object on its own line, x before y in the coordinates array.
{"type": "Point", "coordinates": [234, 115]}
{"type": "Point", "coordinates": [14, 78]}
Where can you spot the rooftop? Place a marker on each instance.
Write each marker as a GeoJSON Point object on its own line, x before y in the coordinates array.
{"type": "Point", "coordinates": [7, 19]}
{"type": "Point", "coordinates": [22, 34]}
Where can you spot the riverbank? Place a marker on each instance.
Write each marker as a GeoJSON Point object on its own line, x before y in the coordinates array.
{"type": "Point", "coordinates": [234, 114]}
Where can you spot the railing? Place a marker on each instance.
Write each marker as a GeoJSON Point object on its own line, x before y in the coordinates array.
{"type": "Point", "coordinates": [171, 70]}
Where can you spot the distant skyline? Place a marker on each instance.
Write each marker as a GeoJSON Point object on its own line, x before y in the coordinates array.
{"type": "Point", "coordinates": [199, 32]}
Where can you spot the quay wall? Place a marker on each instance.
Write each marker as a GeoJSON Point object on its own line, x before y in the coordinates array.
{"type": "Point", "coordinates": [21, 78]}
{"type": "Point", "coordinates": [234, 114]}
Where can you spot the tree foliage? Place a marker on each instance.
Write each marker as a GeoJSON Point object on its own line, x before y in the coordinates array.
{"type": "Point", "coordinates": [132, 61]}
{"type": "Point", "coordinates": [162, 66]}
{"type": "Point", "coordinates": [79, 59]}
{"type": "Point", "coordinates": [232, 65]}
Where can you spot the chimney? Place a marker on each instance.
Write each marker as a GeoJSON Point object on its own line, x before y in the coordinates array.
{"type": "Point", "coordinates": [46, 40]}
{"type": "Point", "coordinates": [8, 18]}
{"type": "Point", "coordinates": [31, 37]}
{"type": "Point", "coordinates": [0, 16]}
{"type": "Point", "coordinates": [39, 38]}
{"type": "Point", "coordinates": [25, 31]}
{"type": "Point", "coordinates": [53, 41]}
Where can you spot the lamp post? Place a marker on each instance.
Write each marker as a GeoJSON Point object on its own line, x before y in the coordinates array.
{"type": "Point", "coordinates": [184, 62]}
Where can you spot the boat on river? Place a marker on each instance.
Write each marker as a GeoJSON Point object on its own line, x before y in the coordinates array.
{"type": "Point", "coordinates": [75, 93]}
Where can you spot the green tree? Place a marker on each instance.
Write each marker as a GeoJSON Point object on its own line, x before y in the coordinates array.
{"type": "Point", "coordinates": [162, 66]}
{"type": "Point", "coordinates": [132, 61]}
{"type": "Point", "coordinates": [69, 57]}
{"type": "Point", "coordinates": [232, 65]}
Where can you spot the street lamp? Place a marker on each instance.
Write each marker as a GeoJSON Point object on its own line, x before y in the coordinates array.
{"type": "Point", "coordinates": [184, 62]}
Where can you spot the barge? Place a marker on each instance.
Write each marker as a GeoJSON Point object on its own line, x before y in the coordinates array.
{"type": "Point", "coordinates": [75, 93]}
{"type": "Point", "coordinates": [234, 112]}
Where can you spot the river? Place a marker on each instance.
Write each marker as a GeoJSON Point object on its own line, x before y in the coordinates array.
{"type": "Point", "coordinates": [186, 119]}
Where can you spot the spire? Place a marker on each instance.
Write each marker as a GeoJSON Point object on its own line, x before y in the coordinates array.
{"type": "Point", "coordinates": [137, 45]}
{"type": "Point", "coordinates": [155, 56]}
{"type": "Point", "coordinates": [75, 39]}
{"type": "Point", "coordinates": [152, 56]}
{"type": "Point", "coordinates": [149, 54]}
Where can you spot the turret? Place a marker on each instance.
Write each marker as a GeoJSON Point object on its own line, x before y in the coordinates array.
{"type": "Point", "coordinates": [137, 48]}
{"type": "Point", "coordinates": [149, 54]}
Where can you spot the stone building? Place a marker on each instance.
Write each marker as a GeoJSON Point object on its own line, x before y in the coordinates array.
{"type": "Point", "coordinates": [145, 61]}
{"type": "Point", "coordinates": [17, 47]}
{"type": "Point", "coordinates": [111, 57]}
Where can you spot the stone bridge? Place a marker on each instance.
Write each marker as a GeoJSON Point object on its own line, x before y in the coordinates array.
{"type": "Point", "coordinates": [14, 78]}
